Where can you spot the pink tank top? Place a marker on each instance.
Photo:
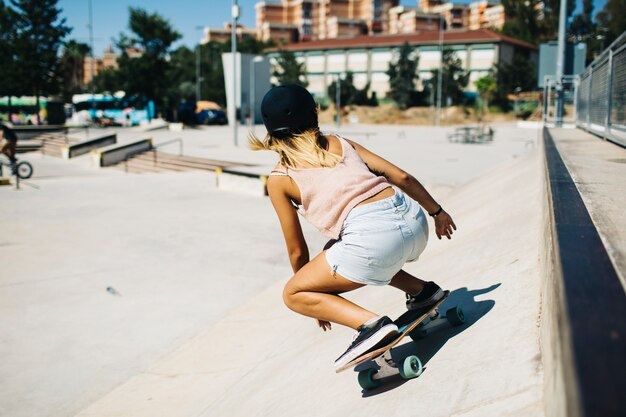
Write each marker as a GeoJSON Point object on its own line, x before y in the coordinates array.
{"type": "Point", "coordinates": [328, 194]}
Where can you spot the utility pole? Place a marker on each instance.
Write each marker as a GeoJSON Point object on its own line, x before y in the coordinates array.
{"type": "Point", "coordinates": [91, 69]}
{"type": "Point", "coordinates": [198, 76]}
{"type": "Point", "coordinates": [440, 72]}
{"type": "Point", "coordinates": [233, 51]}
{"type": "Point", "coordinates": [560, 60]}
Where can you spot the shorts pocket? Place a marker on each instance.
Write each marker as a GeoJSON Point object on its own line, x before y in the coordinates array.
{"type": "Point", "coordinates": [385, 249]}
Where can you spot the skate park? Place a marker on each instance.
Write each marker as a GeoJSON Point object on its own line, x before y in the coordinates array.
{"type": "Point", "coordinates": [159, 293]}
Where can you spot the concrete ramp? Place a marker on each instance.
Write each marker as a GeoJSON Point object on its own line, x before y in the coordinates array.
{"type": "Point", "coordinates": [263, 360]}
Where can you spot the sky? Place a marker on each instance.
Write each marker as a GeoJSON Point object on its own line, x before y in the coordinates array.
{"type": "Point", "coordinates": [110, 17]}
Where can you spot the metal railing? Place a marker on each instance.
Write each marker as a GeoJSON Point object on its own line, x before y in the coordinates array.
{"type": "Point", "coordinates": [601, 97]}
{"type": "Point", "coordinates": [153, 149]}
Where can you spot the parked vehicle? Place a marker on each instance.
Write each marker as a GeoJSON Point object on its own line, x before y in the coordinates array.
{"type": "Point", "coordinates": [113, 109]}
{"type": "Point", "coordinates": [211, 117]}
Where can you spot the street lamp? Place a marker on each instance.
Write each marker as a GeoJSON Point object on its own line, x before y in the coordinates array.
{"type": "Point", "coordinates": [440, 72]}
{"type": "Point", "coordinates": [91, 63]}
{"type": "Point", "coordinates": [233, 51]}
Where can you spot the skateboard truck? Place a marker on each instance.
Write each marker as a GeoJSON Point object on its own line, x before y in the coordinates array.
{"type": "Point", "coordinates": [411, 366]}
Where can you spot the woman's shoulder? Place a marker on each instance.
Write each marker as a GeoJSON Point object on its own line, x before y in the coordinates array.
{"type": "Point", "coordinates": [278, 171]}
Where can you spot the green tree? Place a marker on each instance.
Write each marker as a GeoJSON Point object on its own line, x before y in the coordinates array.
{"type": "Point", "coordinates": [519, 74]}
{"type": "Point", "coordinates": [486, 87]}
{"type": "Point", "coordinates": [533, 21]}
{"type": "Point", "coordinates": [522, 19]}
{"type": "Point", "coordinates": [454, 78]}
{"type": "Point", "coordinates": [107, 81]}
{"type": "Point", "coordinates": [549, 22]}
{"type": "Point", "coordinates": [347, 90]}
{"type": "Point", "coordinates": [402, 76]}
{"type": "Point", "coordinates": [146, 75]}
{"type": "Point", "coordinates": [289, 70]}
{"type": "Point", "coordinates": [72, 70]}
{"type": "Point", "coordinates": [213, 87]}
{"type": "Point", "coordinates": [584, 29]}
{"type": "Point", "coordinates": [611, 22]}
{"type": "Point", "coordinates": [8, 61]}
{"type": "Point", "coordinates": [40, 34]}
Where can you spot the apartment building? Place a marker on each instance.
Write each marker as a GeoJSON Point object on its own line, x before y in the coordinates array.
{"type": "Point", "coordinates": [306, 20]}
{"type": "Point", "coordinates": [107, 60]}
{"type": "Point", "coordinates": [486, 14]}
{"type": "Point", "coordinates": [224, 34]}
{"type": "Point", "coordinates": [408, 20]}
{"type": "Point", "coordinates": [289, 21]}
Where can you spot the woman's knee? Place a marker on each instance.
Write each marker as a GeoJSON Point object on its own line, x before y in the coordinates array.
{"type": "Point", "coordinates": [290, 293]}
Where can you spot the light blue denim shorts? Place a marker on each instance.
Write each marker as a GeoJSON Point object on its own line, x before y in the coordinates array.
{"type": "Point", "coordinates": [378, 238]}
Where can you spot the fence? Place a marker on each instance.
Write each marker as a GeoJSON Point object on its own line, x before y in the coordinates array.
{"type": "Point", "coordinates": [601, 96]}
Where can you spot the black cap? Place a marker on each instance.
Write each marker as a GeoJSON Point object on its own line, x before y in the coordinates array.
{"type": "Point", "coordinates": [287, 109]}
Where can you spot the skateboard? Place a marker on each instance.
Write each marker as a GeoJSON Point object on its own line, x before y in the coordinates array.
{"type": "Point", "coordinates": [415, 324]}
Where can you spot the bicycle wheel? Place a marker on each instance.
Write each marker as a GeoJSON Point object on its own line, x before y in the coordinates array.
{"type": "Point", "coordinates": [24, 170]}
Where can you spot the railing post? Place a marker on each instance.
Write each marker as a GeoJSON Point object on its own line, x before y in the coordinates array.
{"type": "Point", "coordinates": [589, 98]}
{"type": "Point", "coordinates": [609, 87]}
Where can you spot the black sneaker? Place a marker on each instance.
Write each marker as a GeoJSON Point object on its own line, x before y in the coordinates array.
{"type": "Point", "coordinates": [430, 294]}
{"type": "Point", "coordinates": [369, 338]}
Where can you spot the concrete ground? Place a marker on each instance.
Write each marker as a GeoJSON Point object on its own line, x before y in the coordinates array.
{"type": "Point", "coordinates": [158, 295]}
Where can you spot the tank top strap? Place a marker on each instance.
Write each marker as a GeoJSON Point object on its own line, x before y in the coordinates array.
{"type": "Point", "coordinates": [279, 171]}
{"type": "Point", "coordinates": [348, 150]}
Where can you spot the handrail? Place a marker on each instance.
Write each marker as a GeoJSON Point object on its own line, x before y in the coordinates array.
{"type": "Point", "coordinates": [168, 142]}
{"type": "Point", "coordinates": [179, 140]}
{"type": "Point", "coordinates": [131, 155]}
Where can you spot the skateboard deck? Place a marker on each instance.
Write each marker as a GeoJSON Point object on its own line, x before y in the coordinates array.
{"type": "Point", "coordinates": [406, 323]}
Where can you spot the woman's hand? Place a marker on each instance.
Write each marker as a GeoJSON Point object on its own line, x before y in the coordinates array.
{"type": "Point", "coordinates": [444, 225]}
{"type": "Point", "coordinates": [324, 325]}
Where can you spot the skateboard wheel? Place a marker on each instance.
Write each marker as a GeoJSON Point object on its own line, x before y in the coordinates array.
{"type": "Point", "coordinates": [455, 316]}
{"type": "Point", "coordinates": [411, 368]}
{"type": "Point", "coordinates": [417, 334]}
{"type": "Point", "coordinates": [366, 379]}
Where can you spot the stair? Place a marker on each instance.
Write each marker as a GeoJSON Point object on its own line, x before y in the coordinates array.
{"type": "Point", "coordinates": [51, 143]}
{"type": "Point", "coordinates": [155, 161]}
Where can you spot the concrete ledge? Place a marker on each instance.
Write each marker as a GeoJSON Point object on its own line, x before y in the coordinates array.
{"type": "Point", "coordinates": [242, 181]}
{"type": "Point", "coordinates": [28, 132]}
{"type": "Point", "coordinates": [111, 155]}
{"type": "Point", "coordinates": [583, 308]}
{"type": "Point", "coordinates": [81, 148]}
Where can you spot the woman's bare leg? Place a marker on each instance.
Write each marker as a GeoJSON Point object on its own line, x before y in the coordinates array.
{"type": "Point", "coordinates": [313, 290]}
{"type": "Point", "coordinates": [407, 283]}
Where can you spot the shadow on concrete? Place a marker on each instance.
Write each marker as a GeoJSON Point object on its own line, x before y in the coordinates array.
{"type": "Point", "coordinates": [426, 348]}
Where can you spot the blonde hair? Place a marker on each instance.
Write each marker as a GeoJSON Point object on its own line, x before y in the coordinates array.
{"type": "Point", "coordinates": [298, 149]}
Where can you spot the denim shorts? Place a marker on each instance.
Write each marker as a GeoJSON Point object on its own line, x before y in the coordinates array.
{"type": "Point", "coordinates": [378, 238]}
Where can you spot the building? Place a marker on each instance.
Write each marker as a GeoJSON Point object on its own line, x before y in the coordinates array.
{"type": "Point", "coordinates": [368, 57]}
{"type": "Point", "coordinates": [307, 20]}
{"type": "Point", "coordinates": [224, 34]}
{"type": "Point", "coordinates": [485, 14]}
{"type": "Point", "coordinates": [292, 21]}
{"type": "Point", "coordinates": [108, 60]}
{"type": "Point", "coordinates": [408, 20]}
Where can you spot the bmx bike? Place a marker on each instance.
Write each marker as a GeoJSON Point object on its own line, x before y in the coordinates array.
{"type": "Point", "coordinates": [21, 169]}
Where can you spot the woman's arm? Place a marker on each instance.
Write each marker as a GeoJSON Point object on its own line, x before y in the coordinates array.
{"type": "Point", "coordinates": [289, 222]}
{"type": "Point", "coordinates": [410, 185]}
